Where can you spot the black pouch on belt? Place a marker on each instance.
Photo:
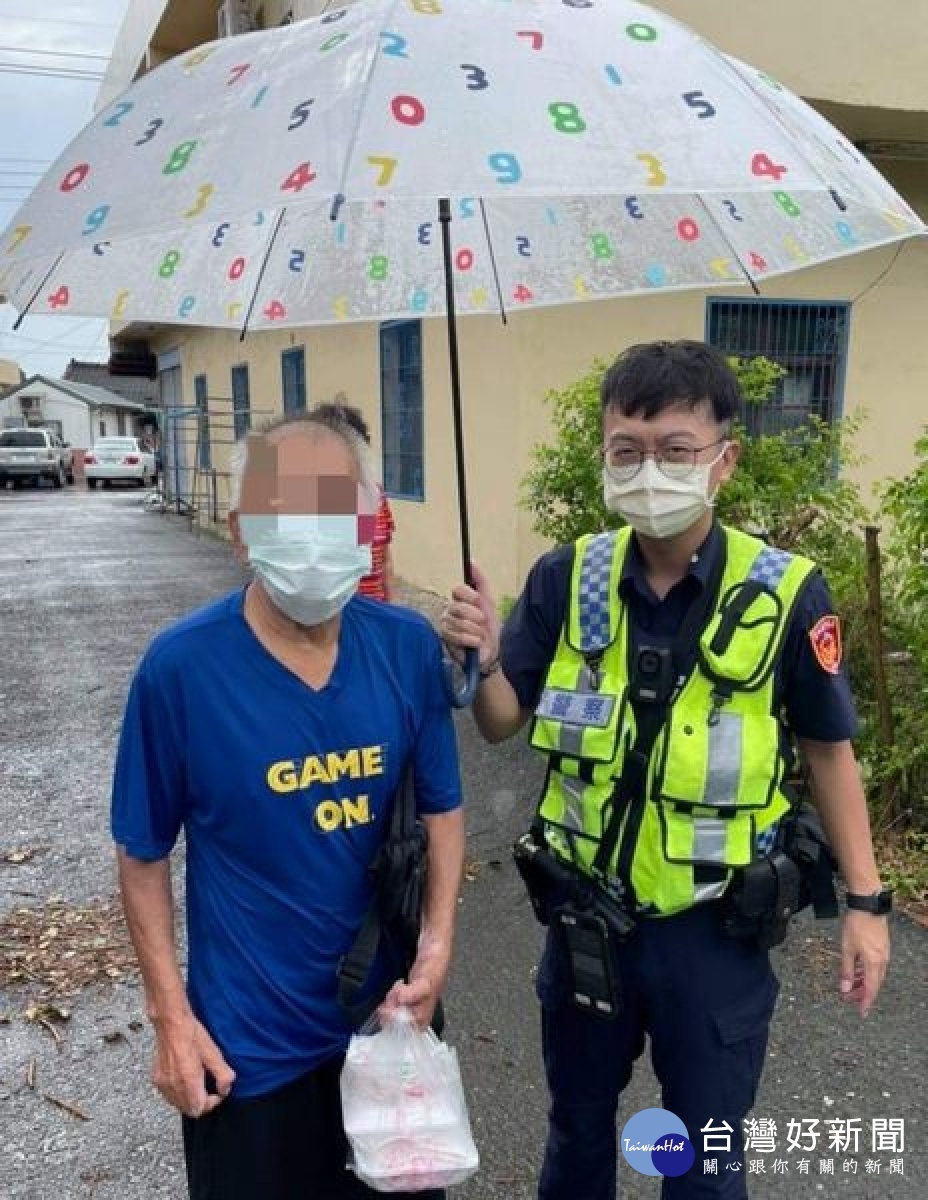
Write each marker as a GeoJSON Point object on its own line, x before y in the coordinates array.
{"type": "Point", "coordinates": [763, 898]}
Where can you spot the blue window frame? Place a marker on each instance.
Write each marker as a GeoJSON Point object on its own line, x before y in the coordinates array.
{"type": "Point", "coordinates": [201, 397]}
{"type": "Point", "coordinates": [293, 372]}
{"type": "Point", "coordinates": [808, 338]}
{"type": "Point", "coordinates": [401, 409]}
{"type": "Point", "coordinates": [241, 400]}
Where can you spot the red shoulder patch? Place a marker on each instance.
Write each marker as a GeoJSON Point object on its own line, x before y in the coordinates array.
{"type": "Point", "coordinates": [825, 637]}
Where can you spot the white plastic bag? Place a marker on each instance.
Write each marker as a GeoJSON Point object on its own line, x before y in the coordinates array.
{"type": "Point", "coordinates": [404, 1110]}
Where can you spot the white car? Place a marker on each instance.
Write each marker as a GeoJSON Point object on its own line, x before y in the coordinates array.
{"type": "Point", "coordinates": [119, 458]}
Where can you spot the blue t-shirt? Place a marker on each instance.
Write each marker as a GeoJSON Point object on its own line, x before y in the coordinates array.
{"type": "Point", "coordinates": [284, 794]}
{"type": "Point", "coordinates": [815, 700]}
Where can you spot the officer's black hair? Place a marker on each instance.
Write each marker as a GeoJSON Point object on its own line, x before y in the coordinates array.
{"type": "Point", "coordinates": [652, 377]}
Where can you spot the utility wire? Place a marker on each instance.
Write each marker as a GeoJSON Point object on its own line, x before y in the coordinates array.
{"type": "Point", "coordinates": [53, 53]}
{"type": "Point", "coordinates": [49, 73]}
{"type": "Point", "coordinates": [56, 341]}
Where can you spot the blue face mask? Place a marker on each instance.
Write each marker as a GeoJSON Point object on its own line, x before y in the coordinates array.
{"type": "Point", "coordinates": [310, 565]}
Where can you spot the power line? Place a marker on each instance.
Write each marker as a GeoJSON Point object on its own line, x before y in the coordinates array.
{"type": "Point", "coordinates": [53, 53]}
{"type": "Point", "coordinates": [19, 338]}
{"type": "Point", "coordinates": [29, 69]}
{"type": "Point", "coordinates": [49, 73]}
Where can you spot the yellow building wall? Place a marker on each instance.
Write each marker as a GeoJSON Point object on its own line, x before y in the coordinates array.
{"type": "Point", "coordinates": [10, 374]}
{"type": "Point", "coordinates": [848, 51]}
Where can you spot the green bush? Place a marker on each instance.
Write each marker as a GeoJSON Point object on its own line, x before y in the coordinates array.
{"type": "Point", "coordinates": [905, 502]}
{"type": "Point", "coordinates": [905, 767]}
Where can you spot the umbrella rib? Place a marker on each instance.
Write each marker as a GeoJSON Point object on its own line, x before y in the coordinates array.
{"type": "Point", "coordinates": [784, 121]}
{"type": "Point", "coordinates": [724, 236]}
{"type": "Point", "coordinates": [362, 105]}
{"type": "Point", "coordinates": [267, 256]}
{"type": "Point", "coordinates": [499, 286]}
{"type": "Point", "coordinates": [35, 295]}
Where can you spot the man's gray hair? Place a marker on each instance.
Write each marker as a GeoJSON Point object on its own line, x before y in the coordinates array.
{"type": "Point", "coordinates": [308, 421]}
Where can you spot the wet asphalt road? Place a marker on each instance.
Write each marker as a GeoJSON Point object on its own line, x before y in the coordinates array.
{"type": "Point", "coordinates": [85, 580]}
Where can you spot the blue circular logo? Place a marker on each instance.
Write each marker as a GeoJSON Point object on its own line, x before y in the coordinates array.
{"type": "Point", "coordinates": [656, 1142]}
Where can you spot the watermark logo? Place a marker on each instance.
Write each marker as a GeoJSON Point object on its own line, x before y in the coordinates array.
{"type": "Point", "coordinates": [656, 1142]}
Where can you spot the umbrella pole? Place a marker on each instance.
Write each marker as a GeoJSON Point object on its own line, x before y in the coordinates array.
{"type": "Point", "coordinates": [460, 696]}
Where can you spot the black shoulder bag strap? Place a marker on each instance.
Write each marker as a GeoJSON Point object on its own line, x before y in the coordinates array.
{"type": "Point", "coordinates": [629, 791]}
{"type": "Point", "coordinates": [392, 921]}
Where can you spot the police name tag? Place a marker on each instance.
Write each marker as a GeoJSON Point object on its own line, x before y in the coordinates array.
{"type": "Point", "coordinates": [588, 709]}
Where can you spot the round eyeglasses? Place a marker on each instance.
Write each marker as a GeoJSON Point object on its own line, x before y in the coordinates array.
{"type": "Point", "coordinates": [675, 461]}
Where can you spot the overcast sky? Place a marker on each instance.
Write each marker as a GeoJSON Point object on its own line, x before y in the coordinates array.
{"type": "Point", "coordinates": [42, 110]}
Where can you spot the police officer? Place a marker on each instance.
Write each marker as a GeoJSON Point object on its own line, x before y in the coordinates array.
{"type": "Point", "coordinates": [665, 669]}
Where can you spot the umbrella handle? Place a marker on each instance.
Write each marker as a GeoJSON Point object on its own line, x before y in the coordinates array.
{"type": "Point", "coordinates": [462, 695]}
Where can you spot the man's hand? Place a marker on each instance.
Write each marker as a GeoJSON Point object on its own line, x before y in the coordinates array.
{"type": "Point", "coordinates": [184, 1052]}
{"type": "Point", "coordinates": [470, 620]}
{"type": "Point", "coordinates": [427, 980]}
{"type": "Point", "coordinates": [864, 958]}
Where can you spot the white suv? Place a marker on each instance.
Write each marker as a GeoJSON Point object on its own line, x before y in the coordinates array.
{"type": "Point", "coordinates": [34, 454]}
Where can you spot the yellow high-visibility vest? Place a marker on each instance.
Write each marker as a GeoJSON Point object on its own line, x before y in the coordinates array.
{"type": "Point", "coordinates": [714, 777]}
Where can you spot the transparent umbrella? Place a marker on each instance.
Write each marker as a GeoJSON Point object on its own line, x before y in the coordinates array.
{"type": "Point", "coordinates": [424, 157]}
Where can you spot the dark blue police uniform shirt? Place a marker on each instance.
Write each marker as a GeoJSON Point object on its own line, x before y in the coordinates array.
{"type": "Point", "coordinates": [817, 703]}
{"type": "Point", "coordinates": [284, 793]}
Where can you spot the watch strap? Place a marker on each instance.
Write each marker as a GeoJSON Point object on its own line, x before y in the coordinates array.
{"type": "Point", "coordinates": [879, 903]}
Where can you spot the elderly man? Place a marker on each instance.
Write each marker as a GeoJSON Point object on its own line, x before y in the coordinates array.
{"type": "Point", "coordinates": [274, 726]}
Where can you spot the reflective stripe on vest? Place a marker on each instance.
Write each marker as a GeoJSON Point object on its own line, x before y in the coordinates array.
{"type": "Point", "coordinates": [715, 774]}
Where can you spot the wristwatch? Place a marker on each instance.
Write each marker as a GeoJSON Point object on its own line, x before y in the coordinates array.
{"type": "Point", "coordinates": [879, 903]}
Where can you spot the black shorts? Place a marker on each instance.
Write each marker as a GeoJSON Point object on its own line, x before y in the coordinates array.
{"type": "Point", "coordinates": [287, 1145]}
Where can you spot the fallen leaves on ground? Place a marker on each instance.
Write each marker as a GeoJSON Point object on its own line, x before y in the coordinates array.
{"type": "Point", "coordinates": [48, 1015]}
{"type": "Point", "coordinates": [65, 1106]}
{"type": "Point", "coordinates": [16, 857]}
{"type": "Point", "coordinates": [918, 911]}
{"type": "Point", "coordinates": [59, 949]}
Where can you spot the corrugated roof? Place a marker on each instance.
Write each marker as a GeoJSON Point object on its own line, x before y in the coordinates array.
{"type": "Point", "coordinates": [94, 396]}
{"type": "Point", "coordinates": [143, 391]}
{"type": "Point", "coordinates": [97, 396]}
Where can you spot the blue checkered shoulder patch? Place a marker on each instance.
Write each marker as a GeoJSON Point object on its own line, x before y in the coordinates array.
{"type": "Point", "coordinates": [594, 614]}
{"type": "Point", "coordinates": [770, 566]}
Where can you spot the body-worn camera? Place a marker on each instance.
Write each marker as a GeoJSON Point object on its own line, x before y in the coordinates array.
{"type": "Point", "coordinates": [652, 679]}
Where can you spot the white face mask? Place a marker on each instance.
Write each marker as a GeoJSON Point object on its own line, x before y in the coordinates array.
{"type": "Point", "coordinates": [657, 506]}
{"type": "Point", "coordinates": [309, 565]}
